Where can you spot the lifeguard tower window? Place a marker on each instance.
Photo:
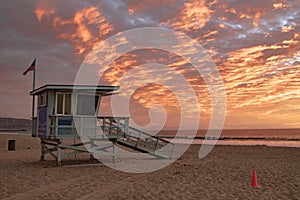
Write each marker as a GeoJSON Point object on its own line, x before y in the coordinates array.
{"type": "Point", "coordinates": [87, 104]}
{"type": "Point", "coordinates": [63, 104]}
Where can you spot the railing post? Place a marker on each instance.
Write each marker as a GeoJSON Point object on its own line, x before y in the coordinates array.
{"type": "Point", "coordinates": [110, 125]}
{"type": "Point", "coordinates": [103, 124]}
{"type": "Point", "coordinates": [173, 147]}
{"type": "Point", "coordinates": [118, 126]}
{"type": "Point", "coordinates": [138, 140]}
{"type": "Point", "coordinates": [126, 128]}
{"type": "Point", "coordinates": [56, 126]}
{"type": "Point", "coordinates": [81, 128]}
{"type": "Point", "coordinates": [155, 145]}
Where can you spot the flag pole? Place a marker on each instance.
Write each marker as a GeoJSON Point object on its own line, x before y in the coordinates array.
{"type": "Point", "coordinates": [33, 83]}
{"type": "Point", "coordinates": [33, 132]}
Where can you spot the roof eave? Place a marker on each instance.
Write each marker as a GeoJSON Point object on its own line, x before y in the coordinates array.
{"type": "Point", "coordinates": [96, 88]}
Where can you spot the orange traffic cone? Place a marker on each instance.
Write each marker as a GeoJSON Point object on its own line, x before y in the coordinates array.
{"type": "Point", "coordinates": [254, 179]}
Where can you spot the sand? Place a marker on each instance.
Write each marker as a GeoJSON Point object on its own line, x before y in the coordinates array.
{"type": "Point", "coordinates": [224, 174]}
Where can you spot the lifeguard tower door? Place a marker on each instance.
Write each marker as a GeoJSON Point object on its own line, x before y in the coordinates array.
{"type": "Point", "coordinates": [41, 116]}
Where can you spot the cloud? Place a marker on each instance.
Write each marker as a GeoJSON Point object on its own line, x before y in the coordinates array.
{"type": "Point", "coordinates": [255, 45]}
{"type": "Point", "coordinates": [84, 30]}
{"type": "Point", "coordinates": [193, 16]}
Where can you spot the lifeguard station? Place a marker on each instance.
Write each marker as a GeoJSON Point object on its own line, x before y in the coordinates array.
{"type": "Point", "coordinates": [71, 112]}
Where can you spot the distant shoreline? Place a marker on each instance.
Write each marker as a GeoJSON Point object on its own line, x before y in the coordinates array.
{"type": "Point", "coordinates": [13, 130]}
{"type": "Point", "coordinates": [229, 138]}
{"type": "Point", "coordinates": [199, 140]}
{"type": "Point", "coordinates": [28, 132]}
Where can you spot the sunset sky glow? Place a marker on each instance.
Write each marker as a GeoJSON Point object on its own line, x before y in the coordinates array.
{"type": "Point", "coordinates": [255, 45]}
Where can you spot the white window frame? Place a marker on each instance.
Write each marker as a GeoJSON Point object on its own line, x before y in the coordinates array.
{"type": "Point", "coordinates": [63, 108]}
{"type": "Point", "coordinates": [85, 94]}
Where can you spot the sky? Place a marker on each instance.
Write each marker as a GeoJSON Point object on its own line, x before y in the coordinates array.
{"type": "Point", "coordinates": [255, 45]}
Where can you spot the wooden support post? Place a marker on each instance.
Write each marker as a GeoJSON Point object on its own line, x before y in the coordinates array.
{"type": "Point", "coordinates": [42, 150]}
{"type": "Point", "coordinates": [56, 126]}
{"type": "Point", "coordinates": [58, 158]}
{"type": "Point", "coordinates": [173, 148]}
{"type": "Point", "coordinates": [114, 151]}
{"type": "Point", "coordinates": [92, 146]}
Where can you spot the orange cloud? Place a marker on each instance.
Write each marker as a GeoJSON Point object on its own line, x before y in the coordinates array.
{"type": "Point", "coordinates": [193, 16]}
{"type": "Point", "coordinates": [256, 19]}
{"type": "Point", "coordinates": [254, 80]}
{"type": "Point", "coordinates": [285, 29]}
{"type": "Point", "coordinates": [280, 6]}
{"type": "Point", "coordinates": [41, 13]}
{"type": "Point", "coordinates": [150, 95]}
{"type": "Point", "coordinates": [260, 80]}
{"type": "Point", "coordinates": [44, 10]}
{"type": "Point", "coordinates": [85, 30]}
{"type": "Point", "coordinates": [84, 20]}
{"type": "Point", "coordinates": [134, 6]}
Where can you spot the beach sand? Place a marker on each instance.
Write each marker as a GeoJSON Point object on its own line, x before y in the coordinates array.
{"type": "Point", "coordinates": [224, 174]}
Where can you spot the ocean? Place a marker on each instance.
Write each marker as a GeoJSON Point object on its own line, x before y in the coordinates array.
{"type": "Point", "coordinates": [268, 137]}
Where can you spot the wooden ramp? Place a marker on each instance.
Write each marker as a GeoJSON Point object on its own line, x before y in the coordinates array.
{"type": "Point", "coordinates": [115, 129]}
{"type": "Point", "coordinates": [139, 140]}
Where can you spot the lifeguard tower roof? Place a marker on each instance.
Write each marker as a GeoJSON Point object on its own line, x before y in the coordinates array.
{"type": "Point", "coordinates": [94, 88]}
